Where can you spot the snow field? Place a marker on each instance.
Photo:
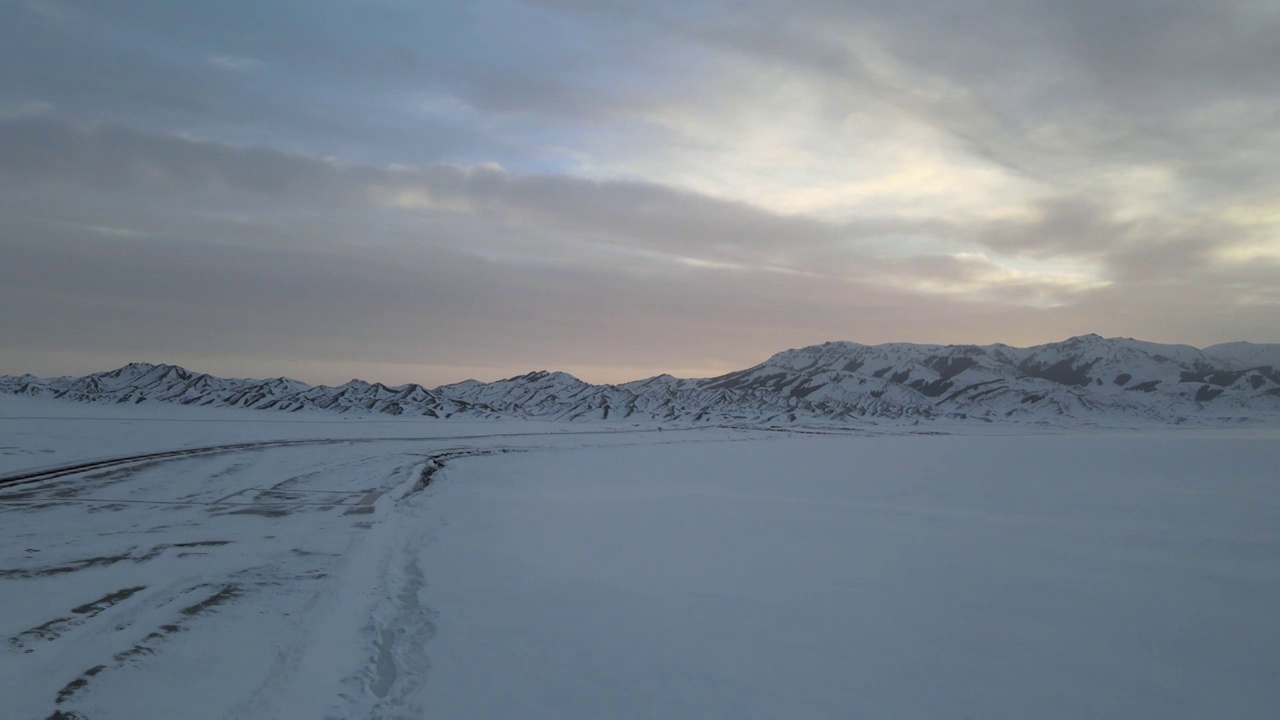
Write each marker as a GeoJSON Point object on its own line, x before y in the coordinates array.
{"type": "Point", "coordinates": [917, 577]}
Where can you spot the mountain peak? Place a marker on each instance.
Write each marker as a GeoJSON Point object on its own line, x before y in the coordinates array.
{"type": "Point", "coordinates": [552, 375]}
{"type": "Point", "coordinates": [132, 367]}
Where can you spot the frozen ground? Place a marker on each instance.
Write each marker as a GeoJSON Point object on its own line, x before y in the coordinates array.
{"type": "Point", "coordinates": [630, 573]}
{"type": "Point", "coordinates": [41, 432]}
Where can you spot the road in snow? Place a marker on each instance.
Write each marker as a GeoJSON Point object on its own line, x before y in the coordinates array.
{"type": "Point", "coordinates": [280, 581]}
{"type": "Point", "coordinates": [709, 573]}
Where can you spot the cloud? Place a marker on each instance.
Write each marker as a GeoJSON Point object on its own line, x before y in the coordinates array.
{"type": "Point", "coordinates": [51, 10]}
{"type": "Point", "coordinates": [609, 186]}
{"type": "Point", "coordinates": [167, 244]}
{"type": "Point", "coordinates": [234, 63]}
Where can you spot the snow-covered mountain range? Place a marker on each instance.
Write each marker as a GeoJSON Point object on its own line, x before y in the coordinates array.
{"type": "Point", "coordinates": [1085, 377]}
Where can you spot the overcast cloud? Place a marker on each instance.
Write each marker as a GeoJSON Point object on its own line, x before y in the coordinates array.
{"type": "Point", "coordinates": [432, 191]}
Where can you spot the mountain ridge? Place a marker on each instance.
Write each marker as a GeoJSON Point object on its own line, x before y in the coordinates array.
{"type": "Point", "coordinates": [1086, 377]}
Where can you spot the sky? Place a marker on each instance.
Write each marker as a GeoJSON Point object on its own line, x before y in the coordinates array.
{"type": "Point", "coordinates": [410, 190]}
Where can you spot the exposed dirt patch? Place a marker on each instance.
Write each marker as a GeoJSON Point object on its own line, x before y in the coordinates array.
{"type": "Point", "coordinates": [228, 592]}
{"type": "Point", "coordinates": [55, 628]}
{"type": "Point", "coordinates": [76, 685]}
{"type": "Point", "coordinates": [229, 470]}
{"type": "Point", "coordinates": [74, 566]}
{"type": "Point", "coordinates": [147, 645]}
{"type": "Point", "coordinates": [158, 550]}
{"type": "Point", "coordinates": [103, 561]}
{"type": "Point", "coordinates": [269, 511]}
{"type": "Point", "coordinates": [106, 601]}
{"type": "Point", "coordinates": [47, 631]}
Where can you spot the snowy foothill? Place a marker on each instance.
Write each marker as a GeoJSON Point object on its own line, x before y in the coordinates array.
{"type": "Point", "coordinates": [344, 567]}
{"type": "Point", "coordinates": [1082, 381]}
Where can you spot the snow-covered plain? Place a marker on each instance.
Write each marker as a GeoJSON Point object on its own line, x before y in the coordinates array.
{"type": "Point", "coordinates": [605, 570]}
{"type": "Point", "coordinates": [1127, 576]}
